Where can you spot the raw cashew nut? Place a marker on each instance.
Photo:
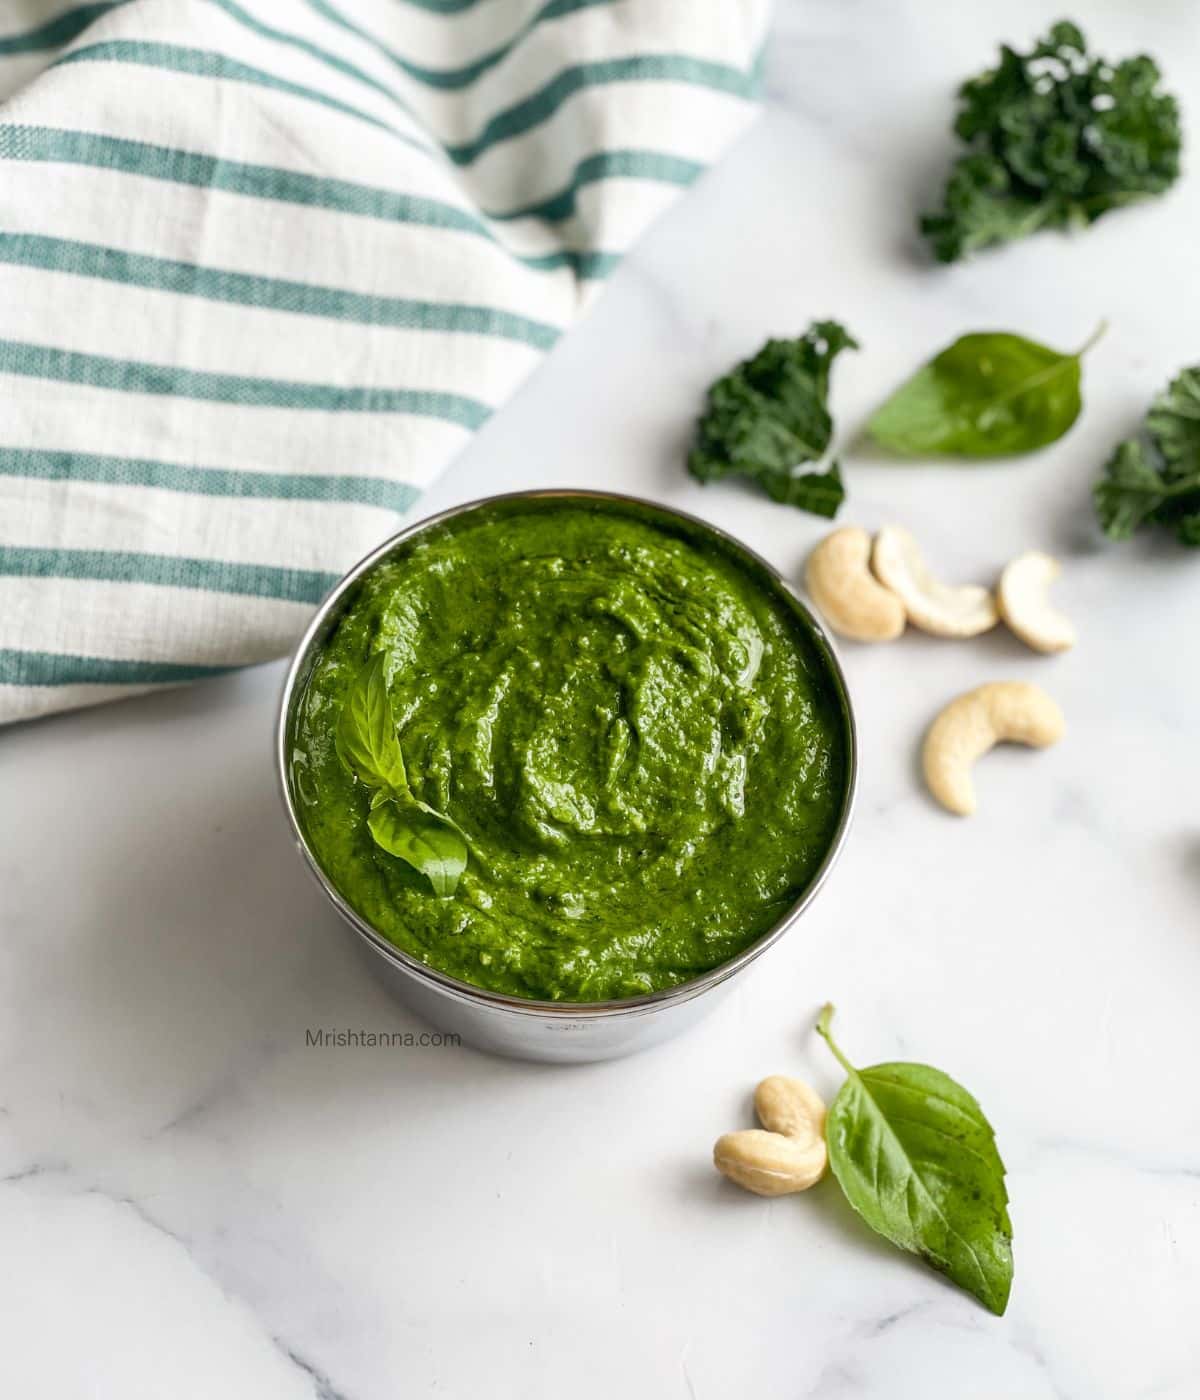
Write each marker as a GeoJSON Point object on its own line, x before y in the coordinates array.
{"type": "Point", "coordinates": [838, 576]}
{"type": "Point", "coordinates": [932, 606]}
{"type": "Point", "coordinates": [790, 1154]}
{"type": "Point", "coordinates": [969, 726]}
{"type": "Point", "coordinates": [790, 1107]}
{"type": "Point", "coordinates": [1024, 604]}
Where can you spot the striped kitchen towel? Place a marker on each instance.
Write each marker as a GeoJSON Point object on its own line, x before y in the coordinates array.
{"type": "Point", "coordinates": [264, 267]}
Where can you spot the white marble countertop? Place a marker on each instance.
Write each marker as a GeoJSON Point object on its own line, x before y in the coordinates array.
{"type": "Point", "coordinates": [196, 1204]}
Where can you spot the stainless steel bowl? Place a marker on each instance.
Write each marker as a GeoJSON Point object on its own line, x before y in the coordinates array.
{"type": "Point", "coordinates": [563, 1032]}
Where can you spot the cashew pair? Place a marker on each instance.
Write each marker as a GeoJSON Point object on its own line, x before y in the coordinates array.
{"type": "Point", "coordinates": [873, 607]}
{"type": "Point", "coordinates": [974, 723]}
{"type": "Point", "coordinates": [788, 1152]}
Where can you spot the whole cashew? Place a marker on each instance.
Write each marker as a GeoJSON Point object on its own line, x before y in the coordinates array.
{"type": "Point", "coordinates": [790, 1155]}
{"type": "Point", "coordinates": [1026, 608]}
{"type": "Point", "coordinates": [935, 607]}
{"type": "Point", "coordinates": [969, 726]}
{"type": "Point", "coordinates": [838, 576]}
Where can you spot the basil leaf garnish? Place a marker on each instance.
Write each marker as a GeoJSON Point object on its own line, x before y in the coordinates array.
{"type": "Point", "coordinates": [918, 1161]}
{"type": "Point", "coordinates": [429, 842]}
{"type": "Point", "coordinates": [368, 744]}
{"type": "Point", "coordinates": [366, 739]}
{"type": "Point", "coordinates": [988, 395]}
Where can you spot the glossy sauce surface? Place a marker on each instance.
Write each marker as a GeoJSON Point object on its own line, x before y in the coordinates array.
{"type": "Point", "coordinates": [640, 739]}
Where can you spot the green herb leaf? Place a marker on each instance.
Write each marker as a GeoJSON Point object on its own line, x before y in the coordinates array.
{"type": "Point", "coordinates": [918, 1161]}
{"type": "Point", "coordinates": [366, 739]}
{"type": "Point", "coordinates": [1187, 530]}
{"type": "Point", "coordinates": [1055, 138]}
{"type": "Point", "coordinates": [1131, 490]}
{"type": "Point", "coordinates": [992, 394]}
{"type": "Point", "coordinates": [1154, 479]}
{"type": "Point", "coordinates": [401, 824]}
{"type": "Point", "coordinates": [769, 415]}
{"type": "Point", "coordinates": [819, 493]}
{"type": "Point", "coordinates": [1174, 424]}
{"type": "Point", "coordinates": [429, 842]}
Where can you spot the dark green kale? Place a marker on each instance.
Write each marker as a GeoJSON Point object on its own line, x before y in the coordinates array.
{"type": "Point", "coordinates": [1055, 138]}
{"type": "Point", "coordinates": [769, 415]}
{"type": "Point", "coordinates": [1154, 479]}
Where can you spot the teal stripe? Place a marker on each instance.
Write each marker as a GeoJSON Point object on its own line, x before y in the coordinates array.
{"type": "Point", "coordinates": [443, 7]}
{"type": "Point", "coordinates": [38, 143]}
{"type": "Point", "coordinates": [527, 114]}
{"type": "Point", "coordinates": [204, 63]}
{"type": "Point", "coordinates": [607, 165]}
{"type": "Point", "coordinates": [269, 293]}
{"type": "Point", "coordinates": [140, 377]}
{"type": "Point", "coordinates": [42, 465]}
{"type": "Point", "coordinates": [57, 31]}
{"type": "Point", "coordinates": [208, 575]}
{"type": "Point", "coordinates": [452, 79]}
{"type": "Point", "coordinates": [538, 108]}
{"type": "Point", "coordinates": [313, 51]}
{"type": "Point", "coordinates": [48, 668]}
{"type": "Point", "coordinates": [595, 266]}
{"type": "Point", "coordinates": [35, 143]}
{"type": "Point", "coordinates": [28, 143]}
{"type": "Point", "coordinates": [68, 27]}
{"type": "Point", "coordinates": [532, 111]}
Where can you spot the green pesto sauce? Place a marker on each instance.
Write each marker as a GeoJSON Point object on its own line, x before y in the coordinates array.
{"type": "Point", "coordinates": [640, 739]}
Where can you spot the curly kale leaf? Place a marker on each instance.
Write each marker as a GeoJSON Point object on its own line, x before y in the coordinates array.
{"type": "Point", "coordinates": [1154, 479]}
{"type": "Point", "coordinates": [1054, 138]}
{"type": "Point", "coordinates": [770, 415]}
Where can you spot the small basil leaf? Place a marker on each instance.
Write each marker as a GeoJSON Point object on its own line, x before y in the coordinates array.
{"type": "Point", "coordinates": [366, 738]}
{"type": "Point", "coordinates": [918, 1161]}
{"type": "Point", "coordinates": [988, 395]}
{"type": "Point", "coordinates": [429, 842]}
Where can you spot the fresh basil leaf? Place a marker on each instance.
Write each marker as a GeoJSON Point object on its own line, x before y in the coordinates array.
{"type": "Point", "coordinates": [918, 1161]}
{"type": "Point", "coordinates": [368, 744]}
{"type": "Point", "coordinates": [769, 415]}
{"type": "Point", "coordinates": [429, 842]}
{"type": "Point", "coordinates": [991, 394]}
{"type": "Point", "coordinates": [366, 738]}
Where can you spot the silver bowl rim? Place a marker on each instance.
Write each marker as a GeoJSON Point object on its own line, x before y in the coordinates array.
{"type": "Point", "coordinates": [564, 1010]}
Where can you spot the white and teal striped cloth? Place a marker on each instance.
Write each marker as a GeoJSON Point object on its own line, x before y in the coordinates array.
{"type": "Point", "coordinates": [264, 267]}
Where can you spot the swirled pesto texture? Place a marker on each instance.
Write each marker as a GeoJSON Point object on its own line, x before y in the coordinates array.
{"type": "Point", "coordinates": [640, 739]}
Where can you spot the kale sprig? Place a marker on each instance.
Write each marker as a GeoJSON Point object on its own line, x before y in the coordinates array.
{"type": "Point", "coordinates": [1055, 138]}
{"type": "Point", "coordinates": [770, 414]}
{"type": "Point", "coordinates": [1154, 479]}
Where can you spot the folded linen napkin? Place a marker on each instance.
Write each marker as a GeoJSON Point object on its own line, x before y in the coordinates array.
{"type": "Point", "coordinates": [264, 267]}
